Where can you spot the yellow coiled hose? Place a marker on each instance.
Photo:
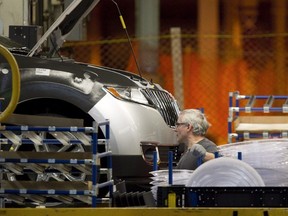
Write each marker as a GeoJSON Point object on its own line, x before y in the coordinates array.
{"type": "Point", "coordinates": [15, 83]}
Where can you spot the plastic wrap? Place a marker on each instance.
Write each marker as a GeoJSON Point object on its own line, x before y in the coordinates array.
{"type": "Point", "coordinates": [269, 157]}
{"type": "Point", "coordinates": [161, 178]}
{"type": "Point", "coordinates": [225, 172]}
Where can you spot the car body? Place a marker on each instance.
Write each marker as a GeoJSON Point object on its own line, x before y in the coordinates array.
{"type": "Point", "coordinates": [138, 110]}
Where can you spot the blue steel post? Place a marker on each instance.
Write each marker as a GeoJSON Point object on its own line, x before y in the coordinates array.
{"type": "Point", "coordinates": [170, 165]}
{"type": "Point", "coordinates": [155, 161]}
{"type": "Point", "coordinates": [109, 163]}
{"type": "Point", "coordinates": [239, 155]}
{"type": "Point", "coordinates": [94, 164]}
{"type": "Point", "coordinates": [107, 132]}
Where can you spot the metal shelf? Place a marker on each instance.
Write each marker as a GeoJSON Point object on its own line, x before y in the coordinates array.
{"type": "Point", "coordinates": [257, 116]}
{"type": "Point", "coordinates": [44, 166]}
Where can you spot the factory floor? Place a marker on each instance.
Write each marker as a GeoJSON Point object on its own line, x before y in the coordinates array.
{"type": "Point", "coordinates": [143, 211]}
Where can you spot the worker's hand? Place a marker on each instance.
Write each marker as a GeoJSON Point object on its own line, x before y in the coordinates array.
{"type": "Point", "coordinates": [198, 150]}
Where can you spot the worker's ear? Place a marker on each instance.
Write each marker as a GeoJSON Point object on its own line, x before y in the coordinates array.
{"type": "Point", "coordinates": [190, 128]}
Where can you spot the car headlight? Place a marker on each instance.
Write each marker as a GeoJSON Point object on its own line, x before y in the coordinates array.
{"type": "Point", "coordinates": [128, 93]}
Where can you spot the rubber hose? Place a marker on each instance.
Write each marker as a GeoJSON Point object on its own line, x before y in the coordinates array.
{"type": "Point", "coordinates": [15, 83]}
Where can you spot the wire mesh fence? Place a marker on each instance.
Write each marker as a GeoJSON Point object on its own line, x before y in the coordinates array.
{"type": "Point", "coordinates": [254, 64]}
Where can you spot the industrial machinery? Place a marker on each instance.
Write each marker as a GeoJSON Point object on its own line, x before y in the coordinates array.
{"type": "Point", "coordinates": [61, 92]}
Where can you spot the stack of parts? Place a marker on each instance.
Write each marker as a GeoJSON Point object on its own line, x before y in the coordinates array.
{"type": "Point", "coordinates": [161, 178]}
{"type": "Point", "coordinates": [225, 172]}
{"type": "Point", "coordinates": [269, 157]}
{"type": "Point", "coordinates": [133, 199]}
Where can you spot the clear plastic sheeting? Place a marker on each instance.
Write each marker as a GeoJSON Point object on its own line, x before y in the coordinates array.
{"type": "Point", "coordinates": [269, 157]}
{"type": "Point", "coordinates": [225, 172]}
{"type": "Point", "coordinates": [161, 178]}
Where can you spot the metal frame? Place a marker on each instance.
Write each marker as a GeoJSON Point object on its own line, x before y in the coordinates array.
{"type": "Point", "coordinates": [9, 136]}
{"type": "Point", "coordinates": [235, 109]}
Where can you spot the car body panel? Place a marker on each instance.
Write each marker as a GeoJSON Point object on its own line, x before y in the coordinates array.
{"type": "Point", "coordinates": [130, 124]}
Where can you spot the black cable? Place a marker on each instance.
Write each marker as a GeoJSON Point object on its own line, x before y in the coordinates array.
{"type": "Point", "coordinates": [124, 27]}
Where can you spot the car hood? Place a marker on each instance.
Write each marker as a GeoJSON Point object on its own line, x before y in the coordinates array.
{"type": "Point", "coordinates": [64, 24]}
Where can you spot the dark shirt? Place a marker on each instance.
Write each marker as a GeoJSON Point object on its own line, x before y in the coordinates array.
{"type": "Point", "coordinates": [190, 161]}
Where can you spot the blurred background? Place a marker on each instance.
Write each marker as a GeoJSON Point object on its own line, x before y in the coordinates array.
{"type": "Point", "coordinates": [199, 50]}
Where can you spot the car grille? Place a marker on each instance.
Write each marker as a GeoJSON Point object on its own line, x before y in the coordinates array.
{"type": "Point", "coordinates": [164, 103]}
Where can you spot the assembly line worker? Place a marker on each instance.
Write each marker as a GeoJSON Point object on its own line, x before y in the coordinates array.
{"type": "Point", "coordinates": [191, 128]}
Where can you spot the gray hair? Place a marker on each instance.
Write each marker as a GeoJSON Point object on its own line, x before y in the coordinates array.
{"type": "Point", "coordinates": [197, 120]}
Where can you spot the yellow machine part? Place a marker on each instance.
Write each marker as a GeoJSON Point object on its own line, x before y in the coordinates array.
{"type": "Point", "coordinates": [143, 211]}
{"type": "Point", "coordinates": [15, 83]}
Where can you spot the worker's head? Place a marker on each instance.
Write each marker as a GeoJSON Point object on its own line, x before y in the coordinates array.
{"type": "Point", "coordinates": [194, 120]}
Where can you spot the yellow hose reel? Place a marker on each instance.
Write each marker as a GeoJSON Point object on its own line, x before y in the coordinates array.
{"type": "Point", "coordinates": [15, 83]}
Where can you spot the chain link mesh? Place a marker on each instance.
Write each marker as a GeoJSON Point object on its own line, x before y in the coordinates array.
{"type": "Point", "coordinates": [252, 67]}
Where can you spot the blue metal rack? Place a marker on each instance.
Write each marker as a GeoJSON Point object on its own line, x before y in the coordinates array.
{"type": "Point", "coordinates": [17, 163]}
{"type": "Point", "coordinates": [254, 119]}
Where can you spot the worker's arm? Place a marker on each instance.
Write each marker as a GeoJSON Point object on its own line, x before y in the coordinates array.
{"type": "Point", "coordinates": [199, 151]}
{"type": "Point", "coordinates": [208, 156]}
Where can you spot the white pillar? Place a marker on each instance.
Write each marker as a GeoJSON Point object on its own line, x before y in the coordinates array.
{"type": "Point", "coordinates": [147, 29]}
{"type": "Point", "coordinates": [177, 63]}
